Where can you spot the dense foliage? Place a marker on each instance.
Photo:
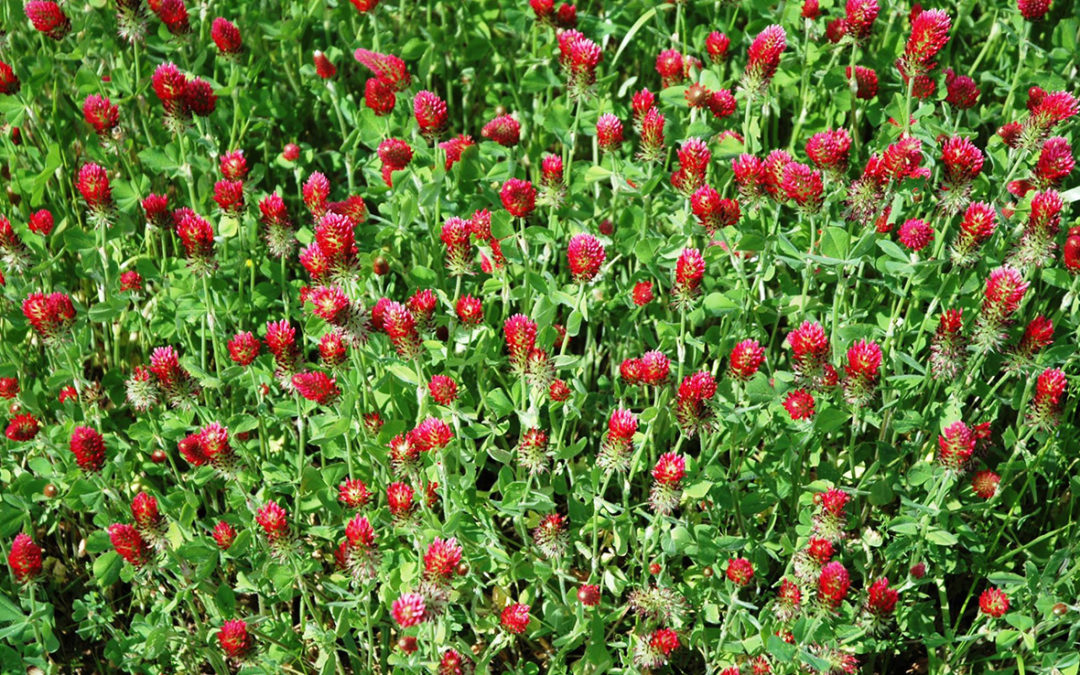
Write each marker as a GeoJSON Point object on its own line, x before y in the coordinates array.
{"type": "Point", "coordinates": [508, 335]}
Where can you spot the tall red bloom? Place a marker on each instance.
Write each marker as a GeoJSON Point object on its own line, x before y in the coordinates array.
{"type": "Point", "coordinates": [860, 17]}
{"type": "Point", "coordinates": [400, 326]}
{"type": "Point", "coordinates": [609, 132]}
{"type": "Point", "coordinates": [51, 316]}
{"type": "Point", "coordinates": [716, 45]}
{"type": "Point", "coordinates": [274, 522]}
{"type": "Point", "coordinates": [226, 36]}
{"type": "Point", "coordinates": [504, 130]}
{"type": "Point", "coordinates": [234, 639]}
{"type": "Point", "coordinates": [1005, 289]}
{"type": "Point", "coordinates": [89, 449]}
{"type": "Point", "coordinates": [127, 541]}
{"type": "Point", "coordinates": [518, 197]}
{"type": "Point", "coordinates": [430, 113]}
{"type": "Point", "coordinates": [515, 618]}
{"type": "Point", "coordinates": [993, 602]}
{"type": "Point", "coordinates": [955, 446]}
{"type": "Point", "coordinates": [976, 227]}
{"type": "Point", "coordinates": [689, 273]}
{"type": "Point", "coordinates": [585, 254]}
{"type": "Point", "coordinates": [692, 402]}
{"type": "Point", "coordinates": [763, 59]}
{"type": "Point", "coordinates": [833, 584]}
{"type": "Point", "coordinates": [387, 67]}
{"type": "Point", "coordinates": [48, 18]}
{"type": "Point", "coordinates": [1048, 402]}
{"type": "Point", "coordinates": [24, 558]}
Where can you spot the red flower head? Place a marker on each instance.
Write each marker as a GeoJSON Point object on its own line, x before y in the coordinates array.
{"type": "Point", "coordinates": [799, 404]}
{"type": "Point", "coordinates": [589, 595]}
{"type": "Point", "coordinates": [233, 165]}
{"type": "Point", "coordinates": [93, 185]}
{"type": "Point", "coordinates": [746, 357]}
{"type": "Point", "coordinates": [9, 81]}
{"type": "Point", "coordinates": [803, 186]}
{"type": "Point", "coordinates": [229, 195]}
{"type": "Point", "coordinates": [144, 509]}
{"type": "Point", "coordinates": [833, 584]}
{"type": "Point", "coordinates": [1055, 162]}
{"type": "Point", "coordinates": [694, 159]}
{"type": "Point", "coordinates": [51, 316]}
{"type": "Point", "coordinates": [915, 234]}
{"type": "Point", "coordinates": [520, 334]}
{"type": "Point", "coordinates": [89, 449]}
{"type": "Point", "coordinates": [643, 293]}
{"type": "Point", "coordinates": [48, 18]}
{"type": "Point", "coordinates": [1005, 288]}
{"type": "Point", "coordinates": [9, 387]}
{"type": "Point", "coordinates": [716, 45]}
{"type": "Point", "coordinates": [379, 96]}
{"type": "Point", "coordinates": [470, 310]}
{"type": "Point", "coordinates": [454, 147]}
{"type": "Point", "coordinates": [1051, 109]}
{"type": "Point", "coordinates": [551, 535]}
{"type": "Point", "coordinates": [226, 36]}
{"type": "Point", "coordinates": [689, 272]}
{"type": "Point", "coordinates": [409, 610]}
{"type": "Point", "coordinates": [1032, 10]}
{"type": "Point", "coordinates": [929, 33]}
{"type": "Point", "coordinates": [100, 113]}
{"type": "Point", "coordinates": [772, 175]}
{"type": "Point", "coordinates": [1048, 402]}
{"type": "Point", "coordinates": [243, 348]}
{"type": "Point", "coordinates": [441, 559]}
{"type": "Point", "coordinates": [131, 281]}
{"type": "Point", "coordinates": [365, 5]}
{"type": "Point", "coordinates": [453, 663]}
{"type": "Point", "coordinates": [430, 435]}
{"type": "Point", "coordinates": [585, 254]}
{"type": "Point", "coordinates": [955, 446]}
{"type": "Point", "coordinates": [274, 522]}
{"type": "Point", "coordinates": [985, 484]}
{"type": "Point", "coordinates": [963, 93]}
{"type": "Point", "coordinates": [652, 136]}
{"type": "Point", "coordinates": [993, 602]}
{"type": "Point", "coordinates": [455, 237]}
{"type": "Point", "coordinates": [811, 9]}
{"type": "Point", "coordinates": [504, 130]}
{"type": "Point", "coordinates": [641, 103]}
{"type": "Point", "coordinates": [763, 59]}
{"type": "Point", "coordinates": [400, 326]}
{"type": "Point", "coordinates": [156, 208]}
{"type": "Point", "coordinates": [669, 469]}
{"type": "Point", "coordinates": [976, 227]}
{"type": "Point", "coordinates": [860, 18]}
{"type": "Point", "coordinates": [399, 497]}
{"type": "Point", "coordinates": [199, 97]}
{"type": "Point", "coordinates": [129, 544]}
{"type": "Point", "coordinates": [669, 64]}
{"type": "Point", "coordinates": [22, 428]}
{"type": "Point", "coordinates": [692, 409]}
{"type": "Point", "coordinates": [443, 389]}
{"type": "Point", "coordinates": [24, 558]}
{"type": "Point", "coordinates": [316, 386]}
{"type": "Point", "coordinates": [197, 235]}
{"type": "Point", "coordinates": [224, 535]}
{"type": "Point", "coordinates": [323, 67]}
{"type": "Point", "coordinates": [664, 641]}
{"type": "Point", "coordinates": [430, 113]}
{"type": "Point", "coordinates": [866, 82]}
{"type": "Point", "coordinates": [518, 197]}
{"type": "Point", "coordinates": [1071, 253]}
{"type": "Point", "coordinates": [515, 618]}
{"type": "Point", "coordinates": [234, 639]}
{"type": "Point", "coordinates": [1038, 334]}
{"type": "Point", "coordinates": [174, 14]}
{"type": "Point", "coordinates": [863, 362]}
{"type": "Point", "coordinates": [578, 57]}
{"type": "Point", "coordinates": [387, 67]}
{"type": "Point", "coordinates": [740, 571]}
{"type": "Point", "coordinates": [551, 179]}
{"type": "Point", "coordinates": [559, 391]}
{"type": "Point", "coordinates": [316, 191]}
{"type": "Point", "coordinates": [395, 155]}
{"type": "Point", "coordinates": [963, 162]}
{"type": "Point", "coordinates": [713, 212]}
{"type": "Point", "coordinates": [609, 132]}
{"type": "Point", "coordinates": [829, 150]}
{"type": "Point", "coordinates": [881, 600]}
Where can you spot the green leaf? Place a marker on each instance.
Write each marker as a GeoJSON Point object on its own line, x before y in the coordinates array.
{"type": "Point", "coordinates": [107, 568]}
{"type": "Point", "coordinates": [942, 537]}
{"type": "Point", "coordinates": [834, 243]}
